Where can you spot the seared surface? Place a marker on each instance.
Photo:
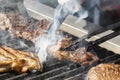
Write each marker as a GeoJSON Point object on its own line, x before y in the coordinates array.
{"type": "Point", "coordinates": [104, 72]}
{"type": "Point", "coordinates": [78, 56]}
{"type": "Point", "coordinates": [19, 61]}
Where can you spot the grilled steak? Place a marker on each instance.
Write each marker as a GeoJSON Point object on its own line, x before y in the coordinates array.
{"type": "Point", "coordinates": [104, 72]}
{"type": "Point", "coordinates": [15, 60]}
{"type": "Point", "coordinates": [77, 56]}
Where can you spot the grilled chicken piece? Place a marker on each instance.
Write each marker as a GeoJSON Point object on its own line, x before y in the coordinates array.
{"type": "Point", "coordinates": [77, 56]}
{"type": "Point", "coordinates": [15, 60]}
{"type": "Point", "coordinates": [104, 72]}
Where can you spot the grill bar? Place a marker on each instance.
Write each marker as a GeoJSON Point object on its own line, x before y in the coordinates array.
{"type": "Point", "coordinates": [107, 37]}
{"type": "Point", "coordinates": [18, 77]}
{"type": "Point", "coordinates": [6, 75]}
{"type": "Point", "coordinates": [67, 74]}
{"type": "Point", "coordinates": [56, 65]}
{"type": "Point", "coordinates": [53, 72]}
{"type": "Point", "coordinates": [78, 77]}
{"type": "Point", "coordinates": [116, 61]}
{"type": "Point", "coordinates": [110, 58]}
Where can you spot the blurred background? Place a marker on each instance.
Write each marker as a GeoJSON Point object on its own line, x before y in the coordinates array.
{"type": "Point", "coordinates": [51, 3]}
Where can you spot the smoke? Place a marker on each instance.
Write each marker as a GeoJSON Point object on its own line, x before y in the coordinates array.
{"type": "Point", "coordinates": [81, 14]}
{"type": "Point", "coordinates": [42, 43]}
{"type": "Point", "coordinates": [12, 12]}
{"type": "Point", "coordinates": [61, 12]}
{"type": "Point", "coordinates": [13, 6]}
{"type": "Point", "coordinates": [49, 39]}
{"type": "Point", "coordinates": [74, 7]}
{"type": "Point", "coordinates": [17, 43]}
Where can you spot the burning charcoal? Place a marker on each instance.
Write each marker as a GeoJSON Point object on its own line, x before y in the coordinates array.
{"type": "Point", "coordinates": [15, 60]}
{"type": "Point", "coordinates": [104, 72]}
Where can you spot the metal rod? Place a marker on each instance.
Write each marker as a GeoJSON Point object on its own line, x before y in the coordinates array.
{"type": "Point", "coordinates": [105, 38]}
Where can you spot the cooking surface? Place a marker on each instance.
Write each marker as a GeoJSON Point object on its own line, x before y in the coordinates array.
{"type": "Point", "coordinates": [60, 70]}
{"type": "Point", "coordinates": [65, 70]}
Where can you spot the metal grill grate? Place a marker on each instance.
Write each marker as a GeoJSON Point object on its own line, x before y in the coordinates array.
{"type": "Point", "coordinates": [63, 70]}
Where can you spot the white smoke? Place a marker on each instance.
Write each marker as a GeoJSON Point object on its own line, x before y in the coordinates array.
{"type": "Point", "coordinates": [82, 14]}
{"type": "Point", "coordinates": [42, 43]}
{"type": "Point", "coordinates": [61, 12]}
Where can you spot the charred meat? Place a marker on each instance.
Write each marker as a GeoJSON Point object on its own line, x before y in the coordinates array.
{"type": "Point", "coordinates": [104, 72]}
{"type": "Point", "coordinates": [15, 60]}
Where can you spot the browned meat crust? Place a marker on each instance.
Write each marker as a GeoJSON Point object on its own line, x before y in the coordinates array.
{"type": "Point", "coordinates": [104, 72]}
{"type": "Point", "coordinates": [15, 60]}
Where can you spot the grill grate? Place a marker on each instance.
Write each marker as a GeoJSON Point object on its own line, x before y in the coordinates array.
{"type": "Point", "coordinates": [63, 70]}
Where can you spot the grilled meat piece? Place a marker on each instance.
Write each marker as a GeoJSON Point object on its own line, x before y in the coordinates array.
{"type": "Point", "coordinates": [104, 72]}
{"type": "Point", "coordinates": [15, 60]}
{"type": "Point", "coordinates": [74, 56]}
{"type": "Point", "coordinates": [77, 56]}
{"type": "Point", "coordinates": [19, 26]}
{"type": "Point", "coordinates": [35, 30]}
{"type": "Point", "coordinates": [28, 29]}
{"type": "Point", "coordinates": [32, 31]}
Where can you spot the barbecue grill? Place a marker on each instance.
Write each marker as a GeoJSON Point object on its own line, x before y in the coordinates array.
{"type": "Point", "coordinates": [65, 70]}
